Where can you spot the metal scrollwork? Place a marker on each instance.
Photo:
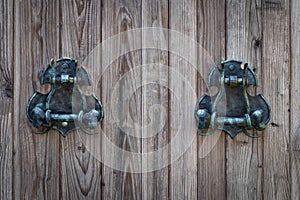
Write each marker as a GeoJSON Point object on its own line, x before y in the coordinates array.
{"type": "Point", "coordinates": [232, 109]}
{"type": "Point", "coordinates": [64, 107]}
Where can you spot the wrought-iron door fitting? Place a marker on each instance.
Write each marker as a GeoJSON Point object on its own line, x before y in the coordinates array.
{"type": "Point", "coordinates": [232, 109]}
{"type": "Point", "coordinates": [64, 108]}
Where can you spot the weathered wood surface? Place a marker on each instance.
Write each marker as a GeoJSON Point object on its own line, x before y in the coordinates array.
{"type": "Point", "coordinates": [295, 96]}
{"type": "Point", "coordinates": [123, 119]}
{"type": "Point", "coordinates": [147, 106]}
{"type": "Point", "coordinates": [155, 98]}
{"type": "Point", "coordinates": [211, 150]}
{"type": "Point", "coordinates": [6, 109]}
{"type": "Point", "coordinates": [80, 33]}
{"type": "Point", "coordinates": [276, 87]}
{"type": "Point", "coordinates": [244, 154]}
{"type": "Point", "coordinates": [36, 168]}
{"type": "Point", "coordinates": [182, 86]}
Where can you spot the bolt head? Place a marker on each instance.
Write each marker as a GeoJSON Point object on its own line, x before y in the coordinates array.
{"type": "Point", "coordinates": [231, 67]}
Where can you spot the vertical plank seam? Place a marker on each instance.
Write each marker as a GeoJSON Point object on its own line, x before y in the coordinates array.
{"type": "Point", "coordinates": [197, 94]}
{"type": "Point", "coordinates": [60, 21]}
{"type": "Point", "coordinates": [101, 97]}
{"type": "Point", "coordinates": [260, 32]}
{"type": "Point", "coordinates": [290, 83]}
{"type": "Point", "coordinates": [290, 96]}
{"type": "Point", "coordinates": [31, 39]}
{"type": "Point", "coordinates": [285, 9]}
{"type": "Point", "coordinates": [59, 139]}
{"type": "Point", "coordinates": [169, 113]}
{"type": "Point", "coordinates": [226, 139]}
{"type": "Point", "coordinates": [13, 94]}
{"type": "Point", "coordinates": [262, 75]}
{"type": "Point", "coordinates": [141, 100]}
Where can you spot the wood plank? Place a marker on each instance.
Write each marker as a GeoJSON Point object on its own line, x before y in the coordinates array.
{"type": "Point", "coordinates": [6, 70]}
{"type": "Point", "coordinates": [276, 83]}
{"type": "Point", "coordinates": [155, 99]}
{"type": "Point", "coordinates": [6, 149]}
{"type": "Point", "coordinates": [211, 150]}
{"type": "Point", "coordinates": [182, 98]}
{"type": "Point", "coordinates": [244, 154]}
{"type": "Point", "coordinates": [80, 34]}
{"type": "Point", "coordinates": [36, 157]}
{"type": "Point", "coordinates": [295, 95]}
{"type": "Point", "coordinates": [122, 99]}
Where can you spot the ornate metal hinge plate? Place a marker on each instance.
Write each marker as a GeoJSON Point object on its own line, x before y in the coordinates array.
{"type": "Point", "coordinates": [232, 109]}
{"type": "Point", "coordinates": [64, 108]}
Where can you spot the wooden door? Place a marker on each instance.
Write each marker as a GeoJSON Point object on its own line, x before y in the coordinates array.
{"type": "Point", "coordinates": [148, 80]}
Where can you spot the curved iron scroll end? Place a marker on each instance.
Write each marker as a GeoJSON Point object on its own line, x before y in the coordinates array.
{"type": "Point", "coordinates": [251, 76]}
{"type": "Point", "coordinates": [208, 132]}
{"type": "Point", "coordinates": [84, 76]}
{"type": "Point", "coordinates": [231, 60]}
{"type": "Point", "coordinates": [214, 76]}
{"type": "Point", "coordinates": [45, 131]}
{"type": "Point", "coordinates": [251, 135]}
{"type": "Point", "coordinates": [101, 115]}
{"type": "Point", "coordinates": [28, 106]}
{"type": "Point", "coordinates": [46, 74]}
{"type": "Point", "coordinates": [268, 107]}
{"type": "Point", "coordinates": [65, 59]}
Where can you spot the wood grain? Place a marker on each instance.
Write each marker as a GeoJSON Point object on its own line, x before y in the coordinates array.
{"type": "Point", "coordinates": [36, 157]}
{"type": "Point", "coordinates": [80, 34]}
{"type": "Point", "coordinates": [182, 98]}
{"type": "Point", "coordinates": [244, 154]}
{"type": "Point", "coordinates": [155, 99]}
{"type": "Point", "coordinates": [147, 108]}
{"type": "Point", "coordinates": [276, 83]}
{"type": "Point", "coordinates": [6, 71]}
{"type": "Point", "coordinates": [122, 98]}
{"type": "Point", "coordinates": [211, 150]}
{"type": "Point", "coordinates": [295, 95]}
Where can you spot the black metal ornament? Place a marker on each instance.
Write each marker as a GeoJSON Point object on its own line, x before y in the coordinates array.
{"type": "Point", "coordinates": [232, 109]}
{"type": "Point", "coordinates": [64, 107]}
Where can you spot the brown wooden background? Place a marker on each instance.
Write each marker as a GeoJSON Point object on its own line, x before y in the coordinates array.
{"type": "Point", "coordinates": [264, 33]}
